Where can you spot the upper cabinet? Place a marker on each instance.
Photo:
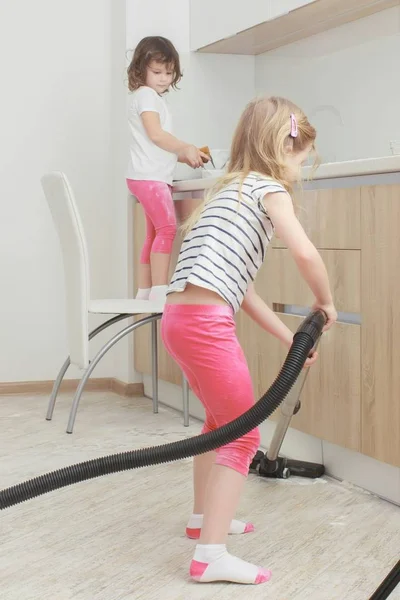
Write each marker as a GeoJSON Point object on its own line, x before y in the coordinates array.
{"type": "Point", "coordinates": [255, 27]}
{"type": "Point", "coordinates": [215, 20]}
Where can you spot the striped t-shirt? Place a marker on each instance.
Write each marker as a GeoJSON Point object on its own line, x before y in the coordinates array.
{"type": "Point", "coordinates": [227, 246]}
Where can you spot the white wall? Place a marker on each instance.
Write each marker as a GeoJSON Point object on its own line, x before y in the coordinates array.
{"type": "Point", "coordinates": [55, 107]}
{"type": "Point", "coordinates": [169, 19]}
{"type": "Point", "coordinates": [122, 209]}
{"type": "Point", "coordinates": [63, 104]}
{"type": "Point", "coordinates": [347, 81]}
{"type": "Point", "coordinates": [214, 91]}
{"type": "Point", "coordinates": [213, 20]}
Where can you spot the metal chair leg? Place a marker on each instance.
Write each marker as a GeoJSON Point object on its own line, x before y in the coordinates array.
{"type": "Point", "coordinates": [66, 364]}
{"type": "Point", "coordinates": [185, 400]}
{"type": "Point", "coordinates": [154, 365]}
{"type": "Point", "coordinates": [56, 387]}
{"type": "Point", "coordinates": [97, 359]}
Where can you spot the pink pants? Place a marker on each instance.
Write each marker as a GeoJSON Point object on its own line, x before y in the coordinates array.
{"type": "Point", "coordinates": [156, 199]}
{"type": "Point", "coordinates": [202, 340]}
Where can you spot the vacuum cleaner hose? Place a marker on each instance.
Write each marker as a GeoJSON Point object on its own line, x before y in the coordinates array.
{"type": "Point", "coordinates": [304, 340]}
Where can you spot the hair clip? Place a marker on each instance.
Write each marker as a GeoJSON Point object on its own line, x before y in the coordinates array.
{"type": "Point", "coordinates": [293, 126]}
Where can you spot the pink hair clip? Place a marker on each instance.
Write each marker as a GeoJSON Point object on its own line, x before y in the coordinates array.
{"type": "Point", "coordinates": [293, 126]}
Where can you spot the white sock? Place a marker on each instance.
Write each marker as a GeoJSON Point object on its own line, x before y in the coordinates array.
{"type": "Point", "coordinates": [158, 293]}
{"type": "Point", "coordinates": [195, 524]}
{"type": "Point", "coordinates": [143, 294]}
{"type": "Point", "coordinates": [212, 562]}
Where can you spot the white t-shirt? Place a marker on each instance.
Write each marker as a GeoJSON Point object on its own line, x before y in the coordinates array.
{"type": "Point", "coordinates": [146, 160]}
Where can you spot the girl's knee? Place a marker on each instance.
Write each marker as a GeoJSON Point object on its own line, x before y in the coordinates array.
{"type": "Point", "coordinates": [168, 231]}
{"type": "Point", "coordinates": [164, 239]}
{"type": "Point", "coordinates": [238, 454]}
{"type": "Point", "coordinates": [146, 250]}
{"type": "Point", "coordinates": [251, 442]}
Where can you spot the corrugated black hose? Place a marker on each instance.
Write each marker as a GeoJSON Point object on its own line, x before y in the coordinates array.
{"type": "Point", "coordinates": [387, 586]}
{"type": "Point", "coordinates": [303, 342]}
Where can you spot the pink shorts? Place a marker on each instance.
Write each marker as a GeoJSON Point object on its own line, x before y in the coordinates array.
{"type": "Point", "coordinates": [158, 205]}
{"type": "Point", "coordinates": [202, 340]}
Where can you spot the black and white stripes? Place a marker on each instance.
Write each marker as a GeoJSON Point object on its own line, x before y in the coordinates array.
{"type": "Point", "coordinates": [226, 247]}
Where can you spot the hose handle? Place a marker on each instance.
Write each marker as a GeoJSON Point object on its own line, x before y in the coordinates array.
{"type": "Point", "coordinates": [313, 325]}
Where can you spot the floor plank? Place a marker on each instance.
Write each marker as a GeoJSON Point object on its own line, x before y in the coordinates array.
{"type": "Point", "coordinates": [120, 537]}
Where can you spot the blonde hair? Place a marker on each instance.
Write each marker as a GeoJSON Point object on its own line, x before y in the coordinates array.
{"type": "Point", "coordinates": [260, 143]}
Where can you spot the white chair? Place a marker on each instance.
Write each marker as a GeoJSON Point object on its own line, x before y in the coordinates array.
{"type": "Point", "coordinates": [63, 208]}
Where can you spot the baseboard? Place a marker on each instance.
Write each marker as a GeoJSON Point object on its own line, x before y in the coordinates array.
{"type": "Point", "coordinates": [128, 390]}
{"type": "Point", "coordinates": [69, 385]}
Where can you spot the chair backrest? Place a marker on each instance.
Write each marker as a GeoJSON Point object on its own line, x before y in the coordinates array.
{"type": "Point", "coordinates": [63, 208]}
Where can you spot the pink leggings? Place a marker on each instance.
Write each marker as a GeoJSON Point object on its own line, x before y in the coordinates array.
{"type": "Point", "coordinates": [202, 340]}
{"type": "Point", "coordinates": [156, 199]}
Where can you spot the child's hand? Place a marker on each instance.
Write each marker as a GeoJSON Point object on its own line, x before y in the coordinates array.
{"type": "Point", "coordinates": [192, 156]}
{"type": "Point", "coordinates": [311, 359]}
{"type": "Point", "coordinates": [330, 312]}
{"type": "Point", "coordinates": [313, 354]}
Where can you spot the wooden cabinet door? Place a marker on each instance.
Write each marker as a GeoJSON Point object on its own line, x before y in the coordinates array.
{"type": "Point", "coordinates": [380, 337]}
{"type": "Point", "coordinates": [331, 218]}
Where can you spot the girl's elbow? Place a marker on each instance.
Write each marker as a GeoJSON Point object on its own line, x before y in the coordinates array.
{"type": "Point", "coordinates": [154, 136]}
{"type": "Point", "coordinates": [306, 256]}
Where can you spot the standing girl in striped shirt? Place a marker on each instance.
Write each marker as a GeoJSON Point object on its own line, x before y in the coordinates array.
{"type": "Point", "coordinates": [225, 245]}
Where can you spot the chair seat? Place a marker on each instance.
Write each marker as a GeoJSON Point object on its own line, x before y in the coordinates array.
{"type": "Point", "coordinates": [125, 306]}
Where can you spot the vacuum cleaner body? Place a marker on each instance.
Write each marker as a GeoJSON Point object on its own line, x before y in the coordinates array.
{"type": "Point", "coordinates": [283, 468]}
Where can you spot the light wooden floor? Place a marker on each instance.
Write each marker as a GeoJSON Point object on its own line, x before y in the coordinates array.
{"type": "Point", "coordinates": [121, 537]}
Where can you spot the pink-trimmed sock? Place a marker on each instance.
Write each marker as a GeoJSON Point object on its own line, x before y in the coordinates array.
{"type": "Point", "coordinates": [212, 562]}
{"type": "Point", "coordinates": [195, 523]}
